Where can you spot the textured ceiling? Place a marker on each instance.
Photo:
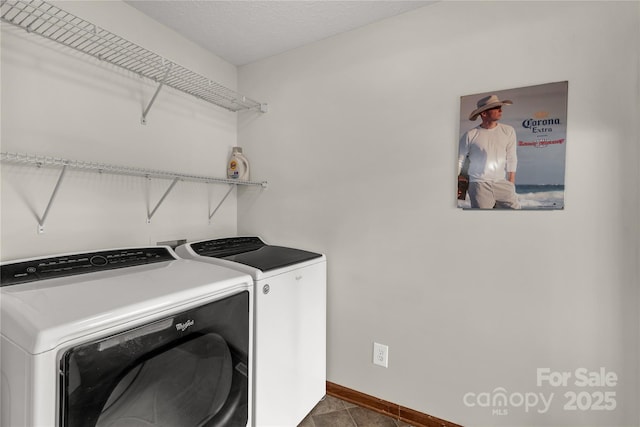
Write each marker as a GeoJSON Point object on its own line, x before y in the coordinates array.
{"type": "Point", "coordinates": [241, 32]}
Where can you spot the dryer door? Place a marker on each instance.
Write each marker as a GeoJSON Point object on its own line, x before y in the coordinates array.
{"type": "Point", "coordinates": [189, 369]}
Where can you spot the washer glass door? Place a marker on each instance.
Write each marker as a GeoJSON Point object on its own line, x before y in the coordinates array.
{"type": "Point", "coordinates": [189, 369]}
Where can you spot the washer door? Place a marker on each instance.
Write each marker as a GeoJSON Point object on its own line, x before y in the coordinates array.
{"type": "Point", "coordinates": [185, 385]}
{"type": "Point", "coordinates": [179, 371]}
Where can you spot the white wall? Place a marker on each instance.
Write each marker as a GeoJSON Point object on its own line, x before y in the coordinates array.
{"type": "Point", "coordinates": [359, 148]}
{"type": "Point", "coordinates": [58, 102]}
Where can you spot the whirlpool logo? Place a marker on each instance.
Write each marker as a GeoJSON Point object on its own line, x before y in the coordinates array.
{"type": "Point", "coordinates": [183, 326]}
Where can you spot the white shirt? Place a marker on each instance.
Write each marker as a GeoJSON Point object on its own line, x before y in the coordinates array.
{"type": "Point", "coordinates": [492, 152]}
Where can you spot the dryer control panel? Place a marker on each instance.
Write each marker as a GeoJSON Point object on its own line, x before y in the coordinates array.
{"type": "Point", "coordinates": [253, 252]}
{"type": "Point", "coordinates": [14, 273]}
{"type": "Point", "coordinates": [220, 248]}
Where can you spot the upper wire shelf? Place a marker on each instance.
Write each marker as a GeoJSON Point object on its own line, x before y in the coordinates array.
{"type": "Point", "coordinates": [53, 23]}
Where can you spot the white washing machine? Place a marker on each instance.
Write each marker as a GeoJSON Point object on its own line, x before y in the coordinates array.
{"type": "Point", "coordinates": [289, 323]}
{"type": "Point", "coordinates": [125, 337]}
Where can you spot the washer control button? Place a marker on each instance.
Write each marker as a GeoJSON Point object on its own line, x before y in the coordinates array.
{"type": "Point", "coordinates": [98, 260]}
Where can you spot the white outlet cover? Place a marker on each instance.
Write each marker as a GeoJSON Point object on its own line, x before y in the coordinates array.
{"type": "Point", "coordinates": [380, 355]}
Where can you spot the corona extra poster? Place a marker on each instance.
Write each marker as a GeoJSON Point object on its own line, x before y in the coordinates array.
{"type": "Point", "coordinates": [512, 148]}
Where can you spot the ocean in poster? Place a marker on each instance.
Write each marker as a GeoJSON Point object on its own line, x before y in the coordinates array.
{"type": "Point", "coordinates": [534, 197]}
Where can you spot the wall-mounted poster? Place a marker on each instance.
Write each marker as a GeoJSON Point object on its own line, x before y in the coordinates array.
{"type": "Point", "coordinates": [511, 151]}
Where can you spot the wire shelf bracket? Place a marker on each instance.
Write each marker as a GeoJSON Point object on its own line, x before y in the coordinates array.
{"type": "Point", "coordinates": [164, 196]}
{"type": "Point", "coordinates": [49, 21]}
{"type": "Point", "coordinates": [143, 120]}
{"type": "Point", "coordinates": [43, 218]}
{"type": "Point", "coordinates": [231, 187]}
{"type": "Point", "coordinates": [66, 164]}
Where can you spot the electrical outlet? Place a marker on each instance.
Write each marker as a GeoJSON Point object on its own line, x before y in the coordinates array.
{"type": "Point", "coordinates": [380, 355]}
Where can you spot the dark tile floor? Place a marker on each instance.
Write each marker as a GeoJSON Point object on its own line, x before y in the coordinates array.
{"type": "Point", "coordinates": [333, 412]}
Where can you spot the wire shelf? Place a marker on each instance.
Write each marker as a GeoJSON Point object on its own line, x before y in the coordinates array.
{"type": "Point", "coordinates": [53, 23]}
{"type": "Point", "coordinates": [40, 161]}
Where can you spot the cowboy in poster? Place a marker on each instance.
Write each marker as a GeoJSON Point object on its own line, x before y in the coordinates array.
{"type": "Point", "coordinates": [511, 151]}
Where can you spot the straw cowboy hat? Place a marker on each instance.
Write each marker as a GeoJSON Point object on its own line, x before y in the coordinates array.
{"type": "Point", "coordinates": [487, 103]}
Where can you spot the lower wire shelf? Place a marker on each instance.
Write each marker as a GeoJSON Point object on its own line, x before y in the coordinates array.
{"type": "Point", "coordinates": [65, 164]}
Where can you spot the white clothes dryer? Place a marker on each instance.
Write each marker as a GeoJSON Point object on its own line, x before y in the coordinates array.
{"type": "Point", "coordinates": [289, 323]}
{"type": "Point", "coordinates": [134, 337]}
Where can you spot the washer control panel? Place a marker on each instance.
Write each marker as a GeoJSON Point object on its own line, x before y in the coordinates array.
{"type": "Point", "coordinates": [14, 273]}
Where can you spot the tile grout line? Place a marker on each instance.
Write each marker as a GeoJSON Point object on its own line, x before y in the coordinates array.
{"type": "Point", "coordinates": [351, 416]}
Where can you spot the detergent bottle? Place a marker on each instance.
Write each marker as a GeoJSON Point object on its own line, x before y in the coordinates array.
{"type": "Point", "coordinates": [238, 166]}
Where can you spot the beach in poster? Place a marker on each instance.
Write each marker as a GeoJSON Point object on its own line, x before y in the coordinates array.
{"type": "Point", "coordinates": [539, 116]}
